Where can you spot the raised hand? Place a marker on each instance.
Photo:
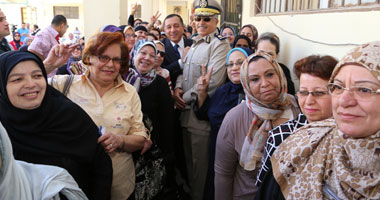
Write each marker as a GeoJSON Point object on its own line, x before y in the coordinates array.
{"type": "Point", "coordinates": [58, 56]}
{"type": "Point", "coordinates": [154, 18]}
{"type": "Point", "coordinates": [202, 84]}
{"type": "Point", "coordinates": [133, 10]}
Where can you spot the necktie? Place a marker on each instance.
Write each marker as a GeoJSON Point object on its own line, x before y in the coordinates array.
{"type": "Point", "coordinates": [176, 50]}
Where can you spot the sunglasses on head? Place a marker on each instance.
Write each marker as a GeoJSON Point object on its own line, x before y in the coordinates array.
{"type": "Point", "coordinates": [205, 19]}
{"type": "Point", "coordinates": [162, 54]}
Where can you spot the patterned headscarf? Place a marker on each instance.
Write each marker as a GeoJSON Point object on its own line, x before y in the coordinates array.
{"type": "Point", "coordinates": [280, 102]}
{"type": "Point", "coordinates": [148, 78]}
{"type": "Point", "coordinates": [265, 114]}
{"type": "Point", "coordinates": [366, 55]}
{"type": "Point", "coordinates": [318, 159]}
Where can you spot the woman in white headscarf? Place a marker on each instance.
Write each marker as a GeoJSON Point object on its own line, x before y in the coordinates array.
{"type": "Point", "coordinates": [21, 180]}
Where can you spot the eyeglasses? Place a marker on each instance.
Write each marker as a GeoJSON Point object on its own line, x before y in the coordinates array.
{"type": "Point", "coordinates": [304, 93]}
{"type": "Point", "coordinates": [360, 92]}
{"type": "Point", "coordinates": [105, 59]}
{"type": "Point", "coordinates": [228, 34]}
{"type": "Point", "coordinates": [17, 36]}
{"type": "Point", "coordinates": [161, 53]}
{"type": "Point", "coordinates": [238, 63]}
{"type": "Point", "coordinates": [77, 49]}
{"type": "Point", "coordinates": [205, 19]}
{"type": "Point", "coordinates": [129, 35]}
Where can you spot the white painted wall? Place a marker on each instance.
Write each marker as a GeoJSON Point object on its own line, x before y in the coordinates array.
{"type": "Point", "coordinates": [98, 13]}
{"type": "Point", "coordinates": [45, 12]}
{"type": "Point", "coordinates": [337, 27]}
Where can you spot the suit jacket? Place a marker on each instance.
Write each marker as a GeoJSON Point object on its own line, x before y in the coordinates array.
{"type": "Point", "coordinates": [171, 59]}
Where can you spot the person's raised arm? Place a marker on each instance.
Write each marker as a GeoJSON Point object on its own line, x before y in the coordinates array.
{"type": "Point", "coordinates": [131, 19]}
{"type": "Point", "coordinates": [153, 20]}
{"type": "Point", "coordinates": [58, 56]}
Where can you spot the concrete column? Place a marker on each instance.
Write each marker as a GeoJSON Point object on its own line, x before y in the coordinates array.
{"type": "Point", "coordinates": [124, 12]}
{"type": "Point", "coordinates": [146, 10]}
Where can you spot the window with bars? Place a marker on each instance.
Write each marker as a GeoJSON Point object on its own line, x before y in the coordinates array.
{"type": "Point", "coordinates": [29, 15]}
{"type": "Point", "coordinates": [232, 13]}
{"type": "Point", "coordinates": [284, 6]}
{"type": "Point", "coordinates": [70, 12]}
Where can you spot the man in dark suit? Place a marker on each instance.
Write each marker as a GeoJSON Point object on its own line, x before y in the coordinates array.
{"type": "Point", "coordinates": [176, 46]}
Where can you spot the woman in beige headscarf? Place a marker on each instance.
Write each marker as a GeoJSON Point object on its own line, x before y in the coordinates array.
{"type": "Point", "coordinates": [243, 133]}
{"type": "Point", "coordinates": [338, 159]}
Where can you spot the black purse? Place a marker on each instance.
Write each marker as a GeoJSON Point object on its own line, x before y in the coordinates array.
{"type": "Point", "coordinates": [150, 170]}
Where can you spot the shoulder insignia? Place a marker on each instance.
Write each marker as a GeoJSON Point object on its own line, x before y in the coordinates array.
{"type": "Point", "coordinates": [220, 37]}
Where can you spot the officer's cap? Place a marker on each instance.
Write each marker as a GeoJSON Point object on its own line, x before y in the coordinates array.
{"type": "Point", "coordinates": [207, 7]}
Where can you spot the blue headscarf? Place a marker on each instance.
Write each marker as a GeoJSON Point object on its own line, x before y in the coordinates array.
{"type": "Point", "coordinates": [230, 27]}
{"type": "Point", "coordinates": [225, 98]}
{"type": "Point", "coordinates": [244, 50]}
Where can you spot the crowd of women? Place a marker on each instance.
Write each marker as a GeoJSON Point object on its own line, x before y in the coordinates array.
{"type": "Point", "coordinates": [108, 119]}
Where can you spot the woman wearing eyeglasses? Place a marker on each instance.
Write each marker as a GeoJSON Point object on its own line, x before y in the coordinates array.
{"type": "Point", "coordinates": [338, 158]}
{"type": "Point", "coordinates": [130, 37]}
{"type": "Point", "coordinates": [229, 33]}
{"type": "Point", "coordinates": [242, 135]}
{"type": "Point", "coordinates": [157, 105]}
{"type": "Point", "coordinates": [16, 43]}
{"type": "Point", "coordinates": [315, 102]}
{"type": "Point", "coordinates": [215, 108]}
{"type": "Point", "coordinates": [74, 65]}
{"type": "Point", "coordinates": [113, 104]}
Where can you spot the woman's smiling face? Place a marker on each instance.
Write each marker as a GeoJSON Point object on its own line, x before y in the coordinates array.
{"type": "Point", "coordinates": [26, 85]}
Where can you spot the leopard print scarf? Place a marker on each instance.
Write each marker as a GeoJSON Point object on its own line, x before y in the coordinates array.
{"type": "Point", "coordinates": [319, 154]}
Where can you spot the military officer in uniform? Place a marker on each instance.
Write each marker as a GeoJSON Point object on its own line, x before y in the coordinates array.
{"type": "Point", "coordinates": [209, 49]}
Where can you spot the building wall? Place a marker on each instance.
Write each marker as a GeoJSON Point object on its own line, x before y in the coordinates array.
{"type": "Point", "coordinates": [45, 12]}
{"type": "Point", "coordinates": [98, 13]}
{"type": "Point", "coordinates": [165, 7]}
{"type": "Point", "coordinates": [334, 28]}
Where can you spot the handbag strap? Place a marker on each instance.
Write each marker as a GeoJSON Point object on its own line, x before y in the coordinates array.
{"type": "Point", "coordinates": [68, 82]}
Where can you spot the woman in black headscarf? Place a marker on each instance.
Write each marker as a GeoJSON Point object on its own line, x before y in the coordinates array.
{"type": "Point", "coordinates": [40, 123]}
{"type": "Point", "coordinates": [16, 42]}
{"type": "Point", "coordinates": [242, 41]}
